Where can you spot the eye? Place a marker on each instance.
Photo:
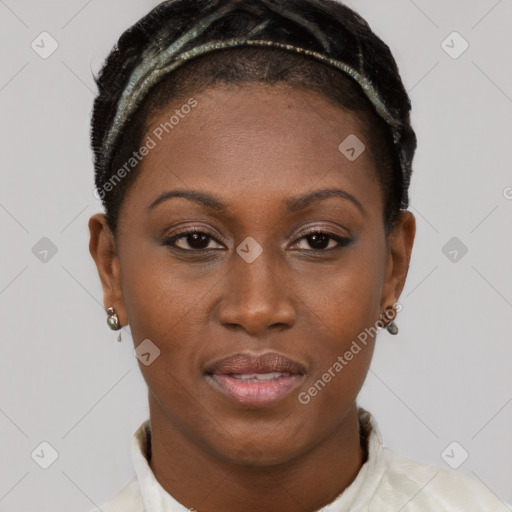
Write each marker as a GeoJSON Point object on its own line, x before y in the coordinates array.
{"type": "Point", "coordinates": [318, 240]}
{"type": "Point", "coordinates": [314, 240]}
{"type": "Point", "coordinates": [192, 240]}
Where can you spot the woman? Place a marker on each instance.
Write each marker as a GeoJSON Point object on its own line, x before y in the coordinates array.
{"type": "Point", "coordinates": [254, 159]}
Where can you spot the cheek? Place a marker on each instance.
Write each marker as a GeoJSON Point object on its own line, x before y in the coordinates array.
{"type": "Point", "coordinates": [346, 298]}
{"type": "Point", "coordinates": [345, 315]}
{"type": "Point", "coordinates": [159, 296]}
{"type": "Point", "coordinates": [344, 350]}
{"type": "Point", "coordinates": [167, 303]}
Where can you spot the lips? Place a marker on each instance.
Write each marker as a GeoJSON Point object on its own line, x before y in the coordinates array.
{"type": "Point", "coordinates": [255, 381]}
{"type": "Point", "coordinates": [244, 363]}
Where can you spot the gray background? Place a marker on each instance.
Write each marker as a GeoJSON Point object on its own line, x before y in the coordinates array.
{"type": "Point", "coordinates": [65, 380]}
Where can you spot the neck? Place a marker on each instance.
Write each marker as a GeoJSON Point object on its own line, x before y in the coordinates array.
{"type": "Point", "coordinates": [204, 482]}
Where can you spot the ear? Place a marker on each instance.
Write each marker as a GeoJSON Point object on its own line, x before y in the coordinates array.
{"type": "Point", "coordinates": [399, 243]}
{"type": "Point", "coordinates": [102, 247]}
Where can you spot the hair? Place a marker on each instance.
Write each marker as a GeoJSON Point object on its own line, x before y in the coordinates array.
{"type": "Point", "coordinates": [248, 64]}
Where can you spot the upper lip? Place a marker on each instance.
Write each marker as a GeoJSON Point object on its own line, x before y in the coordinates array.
{"type": "Point", "coordinates": [244, 363]}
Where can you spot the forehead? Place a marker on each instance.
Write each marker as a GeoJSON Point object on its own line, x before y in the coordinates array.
{"type": "Point", "coordinates": [256, 139]}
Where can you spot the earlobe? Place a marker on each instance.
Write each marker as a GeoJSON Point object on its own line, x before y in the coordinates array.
{"type": "Point", "coordinates": [102, 248]}
{"type": "Point", "coordinates": [400, 243]}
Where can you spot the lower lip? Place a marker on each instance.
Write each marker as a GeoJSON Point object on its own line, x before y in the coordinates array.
{"type": "Point", "coordinates": [255, 394]}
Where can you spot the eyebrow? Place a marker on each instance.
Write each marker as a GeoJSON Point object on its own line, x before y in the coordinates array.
{"type": "Point", "coordinates": [293, 204]}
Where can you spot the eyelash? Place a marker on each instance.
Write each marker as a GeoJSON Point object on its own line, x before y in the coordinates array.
{"type": "Point", "coordinates": [342, 241]}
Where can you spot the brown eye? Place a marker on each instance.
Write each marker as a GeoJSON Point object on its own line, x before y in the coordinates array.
{"type": "Point", "coordinates": [192, 240]}
{"type": "Point", "coordinates": [321, 241]}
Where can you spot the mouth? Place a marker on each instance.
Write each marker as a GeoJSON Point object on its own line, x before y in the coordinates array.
{"type": "Point", "coordinates": [255, 381]}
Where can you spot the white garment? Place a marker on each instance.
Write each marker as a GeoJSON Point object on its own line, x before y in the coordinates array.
{"type": "Point", "coordinates": [387, 482]}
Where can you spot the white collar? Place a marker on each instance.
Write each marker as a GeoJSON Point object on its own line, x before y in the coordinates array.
{"type": "Point", "coordinates": [156, 499]}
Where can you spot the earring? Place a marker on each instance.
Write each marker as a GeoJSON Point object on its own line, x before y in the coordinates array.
{"type": "Point", "coordinates": [392, 328]}
{"type": "Point", "coordinates": [113, 321]}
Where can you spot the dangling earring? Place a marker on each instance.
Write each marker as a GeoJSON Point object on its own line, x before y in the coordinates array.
{"type": "Point", "coordinates": [113, 321]}
{"type": "Point", "coordinates": [392, 328]}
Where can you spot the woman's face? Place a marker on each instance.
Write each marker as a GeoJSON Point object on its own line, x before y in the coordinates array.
{"type": "Point", "coordinates": [229, 266]}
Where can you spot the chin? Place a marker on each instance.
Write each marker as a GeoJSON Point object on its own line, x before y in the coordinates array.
{"type": "Point", "coordinates": [262, 450]}
{"type": "Point", "coordinates": [254, 456]}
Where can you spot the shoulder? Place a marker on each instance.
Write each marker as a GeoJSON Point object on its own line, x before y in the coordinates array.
{"type": "Point", "coordinates": [127, 500]}
{"type": "Point", "coordinates": [414, 486]}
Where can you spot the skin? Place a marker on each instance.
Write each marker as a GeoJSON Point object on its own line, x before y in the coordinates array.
{"type": "Point", "coordinates": [252, 148]}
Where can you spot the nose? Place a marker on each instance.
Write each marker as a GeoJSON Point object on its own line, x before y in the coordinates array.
{"type": "Point", "coordinates": [256, 297]}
